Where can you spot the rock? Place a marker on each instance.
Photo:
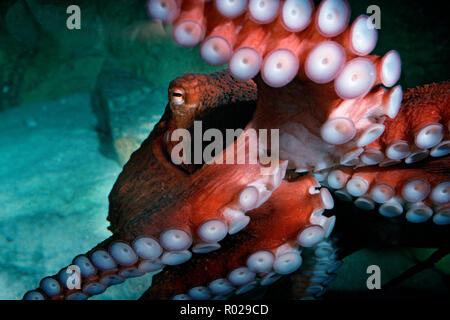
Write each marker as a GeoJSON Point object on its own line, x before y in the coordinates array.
{"type": "Point", "coordinates": [20, 24]}
{"type": "Point", "coordinates": [127, 108]}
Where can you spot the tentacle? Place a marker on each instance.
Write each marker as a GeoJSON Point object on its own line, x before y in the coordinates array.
{"type": "Point", "coordinates": [252, 258]}
{"type": "Point", "coordinates": [418, 191]}
{"type": "Point", "coordinates": [328, 79]}
{"type": "Point", "coordinates": [255, 30]}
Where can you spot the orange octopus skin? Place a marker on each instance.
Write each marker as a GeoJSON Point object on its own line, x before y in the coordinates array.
{"type": "Point", "coordinates": [289, 207]}
{"type": "Point", "coordinates": [323, 126]}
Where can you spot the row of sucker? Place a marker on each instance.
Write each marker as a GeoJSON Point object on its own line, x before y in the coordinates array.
{"type": "Point", "coordinates": [281, 39]}
{"type": "Point", "coordinates": [420, 197]}
{"type": "Point", "coordinates": [265, 267]}
{"type": "Point", "coordinates": [284, 39]}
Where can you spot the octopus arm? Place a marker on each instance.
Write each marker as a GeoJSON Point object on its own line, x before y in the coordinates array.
{"type": "Point", "coordinates": [289, 223]}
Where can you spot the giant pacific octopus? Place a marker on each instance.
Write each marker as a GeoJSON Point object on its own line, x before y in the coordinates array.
{"type": "Point", "coordinates": [223, 230]}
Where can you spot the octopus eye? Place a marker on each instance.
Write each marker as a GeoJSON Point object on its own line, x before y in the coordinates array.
{"type": "Point", "coordinates": [177, 97]}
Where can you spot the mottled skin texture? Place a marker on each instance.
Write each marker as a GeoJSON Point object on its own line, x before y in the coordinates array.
{"type": "Point", "coordinates": [421, 105]}
{"type": "Point", "coordinates": [152, 195]}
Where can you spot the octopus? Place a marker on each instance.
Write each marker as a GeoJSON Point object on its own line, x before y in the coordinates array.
{"type": "Point", "coordinates": [219, 230]}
